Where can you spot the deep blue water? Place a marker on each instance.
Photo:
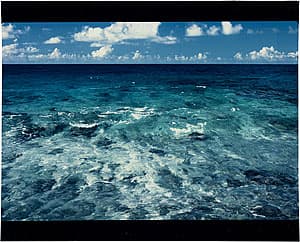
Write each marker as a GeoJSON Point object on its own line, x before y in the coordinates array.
{"type": "Point", "coordinates": [149, 142]}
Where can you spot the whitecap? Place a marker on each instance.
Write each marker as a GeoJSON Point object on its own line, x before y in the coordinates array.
{"type": "Point", "coordinates": [201, 87]}
{"type": "Point", "coordinates": [82, 125]}
{"type": "Point", "coordinates": [139, 113]}
{"type": "Point", "coordinates": [124, 122]}
{"type": "Point", "coordinates": [233, 109]}
{"type": "Point", "coordinates": [14, 115]}
{"type": "Point", "coordinates": [189, 128]}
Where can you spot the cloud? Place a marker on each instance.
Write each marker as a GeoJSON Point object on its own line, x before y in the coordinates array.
{"type": "Point", "coordinates": [12, 49]}
{"type": "Point", "coordinates": [194, 30]}
{"type": "Point", "coordinates": [30, 49]}
{"type": "Point", "coordinates": [55, 54]}
{"type": "Point", "coordinates": [293, 54]}
{"type": "Point", "coordinates": [238, 56]}
{"type": "Point", "coordinates": [96, 45]}
{"type": "Point", "coordinates": [102, 52]}
{"type": "Point", "coordinates": [9, 31]}
{"type": "Point", "coordinates": [201, 56]}
{"type": "Point", "coordinates": [123, 57]}
{"type": "Point", "coordinates": [181, 58]}
{"type": "Point", "coordinates": [251, 31]}
{"type": "Point", "coordinates": [137, 55]}
{"type": "Point", "coordinates": [213, 30]}
{"type": "Point", "coordinates": [32, 53]}
{"type": "Point", "coordinates": [219, 58]}
{"type": "Point", "coordinates": [228, 28]}
{"type": "Point", "coordinates": [120, 31]}
{"type": "Point", "coordinates": [292, 31]}
{"type": "Point", "coordinates": [38, 56]}
{"type": "Point", "coordinates": [197, 57]}
{"type": "Point", "coordinates": [267, 53]}
{"type": "Point", "coordinates": [53, 40]}
{"type": "Point", "coordinates": [168, 40]}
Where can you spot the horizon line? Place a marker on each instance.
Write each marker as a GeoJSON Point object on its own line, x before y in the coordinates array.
{"type": "Point", "coordinates": [150, 63]}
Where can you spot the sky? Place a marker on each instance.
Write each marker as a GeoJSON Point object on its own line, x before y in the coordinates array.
{"type": "Point", "coordinates": [150, 42]}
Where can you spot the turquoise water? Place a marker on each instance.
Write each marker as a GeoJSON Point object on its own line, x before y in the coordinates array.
{"type": "Point", "coordinates": [88, 142]}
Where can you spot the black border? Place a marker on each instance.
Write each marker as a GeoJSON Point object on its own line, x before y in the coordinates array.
{"type": "Point", "coordinates": [37, 11]}
{"type": "Point", "coordinates": [150, 11]}
{"type": "Point", "coordinates": [152, 230]}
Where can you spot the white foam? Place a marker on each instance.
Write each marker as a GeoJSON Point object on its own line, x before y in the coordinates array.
{"type": "Point", "coordinates": [109, 112]}
{"type": "Point", "coordinates": [10, 133]}
{"type": "Point", "coordinates": [201, 87]}
{"type": "Point", "coordinates": [233, 155]}
{"type": "Point", "coordinates": [139, 113]}
{"type": "Point", "coordinates": [233, 109]}
{"type": "Point", "coordinates": [124, 122]}
{"type": "Point", "coordinates": [82, 125]}
{"type": "Point", "coordinates": [91, 179]}
{"type": "Point", "coordinates": [189, 128]}
{"type": "Point", "coordinates": [101, 116]}
{"type": "Point", "coordinates": [14, 115]}
{"type": "Point", "coordinates": [136, 115]}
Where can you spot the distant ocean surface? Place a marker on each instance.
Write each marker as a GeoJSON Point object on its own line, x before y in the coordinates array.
{"type": "Point", "coordinates": [89, 142]}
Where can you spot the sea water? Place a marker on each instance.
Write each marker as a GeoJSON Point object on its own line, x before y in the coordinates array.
{"type": "Point", "coordinates": [89, 142]}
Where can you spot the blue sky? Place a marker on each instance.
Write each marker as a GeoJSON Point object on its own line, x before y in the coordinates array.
{"type": "Point", "coordinates": [150, 42]}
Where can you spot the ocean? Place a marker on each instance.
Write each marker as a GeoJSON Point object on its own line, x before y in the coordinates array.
{"type": "Point", "coordinates": [115, 142]}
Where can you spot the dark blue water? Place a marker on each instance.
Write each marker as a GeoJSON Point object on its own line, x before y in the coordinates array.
{"type": "Point", "coordinates": [149, 142]}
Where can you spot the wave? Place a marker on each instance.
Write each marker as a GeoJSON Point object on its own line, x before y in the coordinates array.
{"type": "Point", "coordinates": [189, 128]}
{"type": "Point", "coordinates": [83, 125]}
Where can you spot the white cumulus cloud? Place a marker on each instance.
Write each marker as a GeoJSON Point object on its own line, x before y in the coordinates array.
{"type": "Point", "coordinates": [213, 30]}
{"type": "Point", "coordinates": [194, 30]}
{"type": "Point", "coordinates": [55, 54]}
{"type": "Point", "coordinates": [102, 52]}
{"type": "Point", "coordinates": [30, 49]}
{"type": "Point", "coordinates": [181, 58]}
{"type": "Point", "coordinates": [137, 55]}
{"type": "Point", "coordinates": [120, 31]}
{"type": "Point", "coordinates": [268, 53]}
{"type": "Point", "coordinates": [12, 49]}
{"type": "Point", "coordinates": [167, 40]}
{"type": "Point", "coordinates": [9, 31]}
{"type": "Point", "coordinates": [238, 56]}
{"type": "Point", "coordinates": [228, 28]}
{"type": "Point", "coordinates": [53, 40]}
{"type": "Point", "coordinates": [293, 54]}
{"type": "Point", "coordinates": [201, 56]}
{"type": "Point", "coordinates": [96, 45]}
